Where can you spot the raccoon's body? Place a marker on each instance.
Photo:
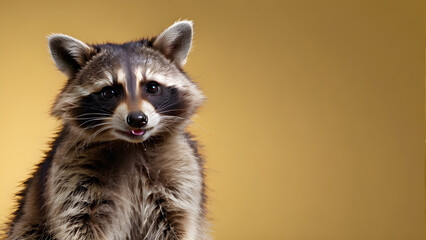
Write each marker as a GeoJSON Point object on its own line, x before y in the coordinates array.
{"type": "Point", "coordinates": [122, 166]}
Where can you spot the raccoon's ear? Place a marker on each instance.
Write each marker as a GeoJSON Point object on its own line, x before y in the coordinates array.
{"type": "Point", "coordinates": [175, 42]}
{"type": "Point", "coordinates": [68, 53]}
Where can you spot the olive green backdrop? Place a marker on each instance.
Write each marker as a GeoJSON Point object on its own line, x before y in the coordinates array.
{"type": "Point", "coordinates": [314, 124]}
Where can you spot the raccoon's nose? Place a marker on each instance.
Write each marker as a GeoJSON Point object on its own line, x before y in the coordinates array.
{"type": "Point", "coordinates": [137, 119]}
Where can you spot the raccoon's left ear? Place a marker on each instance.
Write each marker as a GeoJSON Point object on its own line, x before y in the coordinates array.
{"type": "Point", "coordinates": [68, 53]}
{"type": "Point", "coordinates": [175, 42]}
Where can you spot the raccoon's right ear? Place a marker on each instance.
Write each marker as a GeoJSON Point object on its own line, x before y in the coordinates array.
{"type": "Point", "coordinates": [68, 53]}
{"type": "Point", "coordinates": [175, 42]}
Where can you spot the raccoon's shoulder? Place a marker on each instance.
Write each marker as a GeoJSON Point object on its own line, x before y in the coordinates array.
{"type": "Point", "coordinates": [195, 146]}
{"type": "Point", "coordinates": [31, 199]}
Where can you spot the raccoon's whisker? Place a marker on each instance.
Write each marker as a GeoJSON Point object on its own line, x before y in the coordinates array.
{"type": "Point", "coordinates": [100, 114]}
{"type": "Point", "coordinates": [97, 133]}
{"type": "Point", "coordinates": [74, 143]}
{"type": "Point", "coordinates": [76, 148]}
{"type": "Point", "coordinates": [86, 118]}
{"type": "Point", "coordinates": [171, 116]}
{"type": "Point", "coordinates": [95, 118]}
{"type": "Point", "coordinates": [89, 116]}
{"type": "Point", "coordinates": [92, 120]}
{"type": "Point", "coordinates": [165, 104]}
{"type": "Point", "coordinates": [170, 110]}
{"type": "Point", "coordinates": [174, 119]}
{"type": "Point", "coordinates": [96, 125]}
{"type": "Point", "coordinates": [161, 111]}
{"type": "Point", "coordinates": [101, 104]}
{"type": "Point", "coordinates": [89, 140]}
{"type": "Point", "coordinates": [97, 109]}
{"type": "Point", "coordinates": [99, 125]}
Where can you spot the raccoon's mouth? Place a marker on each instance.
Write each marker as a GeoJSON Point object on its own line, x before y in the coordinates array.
{"type": "Point", "coordinates": [138, 132]}
{"type": "Point", "coordinates": [134, 133]}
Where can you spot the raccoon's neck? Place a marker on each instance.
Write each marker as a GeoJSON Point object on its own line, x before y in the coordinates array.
{"type": "Point", "coordinates": [168, 150]}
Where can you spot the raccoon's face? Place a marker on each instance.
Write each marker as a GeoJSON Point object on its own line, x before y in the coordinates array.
{"type": "Point", "coordinates": [131, 91]}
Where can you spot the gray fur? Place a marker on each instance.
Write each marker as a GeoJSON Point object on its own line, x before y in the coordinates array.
{"type": "Point", "coordinates": [98, 183]}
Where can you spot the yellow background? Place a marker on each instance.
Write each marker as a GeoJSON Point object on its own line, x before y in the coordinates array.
{"type": "Point", "coordinates": [313, 127]}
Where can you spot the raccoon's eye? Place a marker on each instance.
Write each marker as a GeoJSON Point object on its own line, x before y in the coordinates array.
{"type": "Point", "coordinates": [152, 87]}
{"type": "Point", "coordinates": [108, 92]}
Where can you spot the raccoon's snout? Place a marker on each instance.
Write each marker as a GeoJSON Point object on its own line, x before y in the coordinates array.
{"type": "Point", "coordinates": [137, 119]}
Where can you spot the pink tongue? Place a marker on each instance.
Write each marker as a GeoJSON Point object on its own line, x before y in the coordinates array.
{"type": "Point", "coordinates": [138, 132]}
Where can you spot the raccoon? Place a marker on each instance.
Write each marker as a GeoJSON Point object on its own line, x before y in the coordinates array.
{"type": "Point", "coordinates": [122, 165]}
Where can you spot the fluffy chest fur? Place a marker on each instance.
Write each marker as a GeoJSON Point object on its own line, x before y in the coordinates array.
{"type": "Point", "coordinates": [153, 190]}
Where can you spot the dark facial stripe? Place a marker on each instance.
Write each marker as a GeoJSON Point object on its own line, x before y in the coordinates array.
{"type": "Point", "coordinates": [94, 108]}
{"type": "Point", "coordinates": [168, 101]}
